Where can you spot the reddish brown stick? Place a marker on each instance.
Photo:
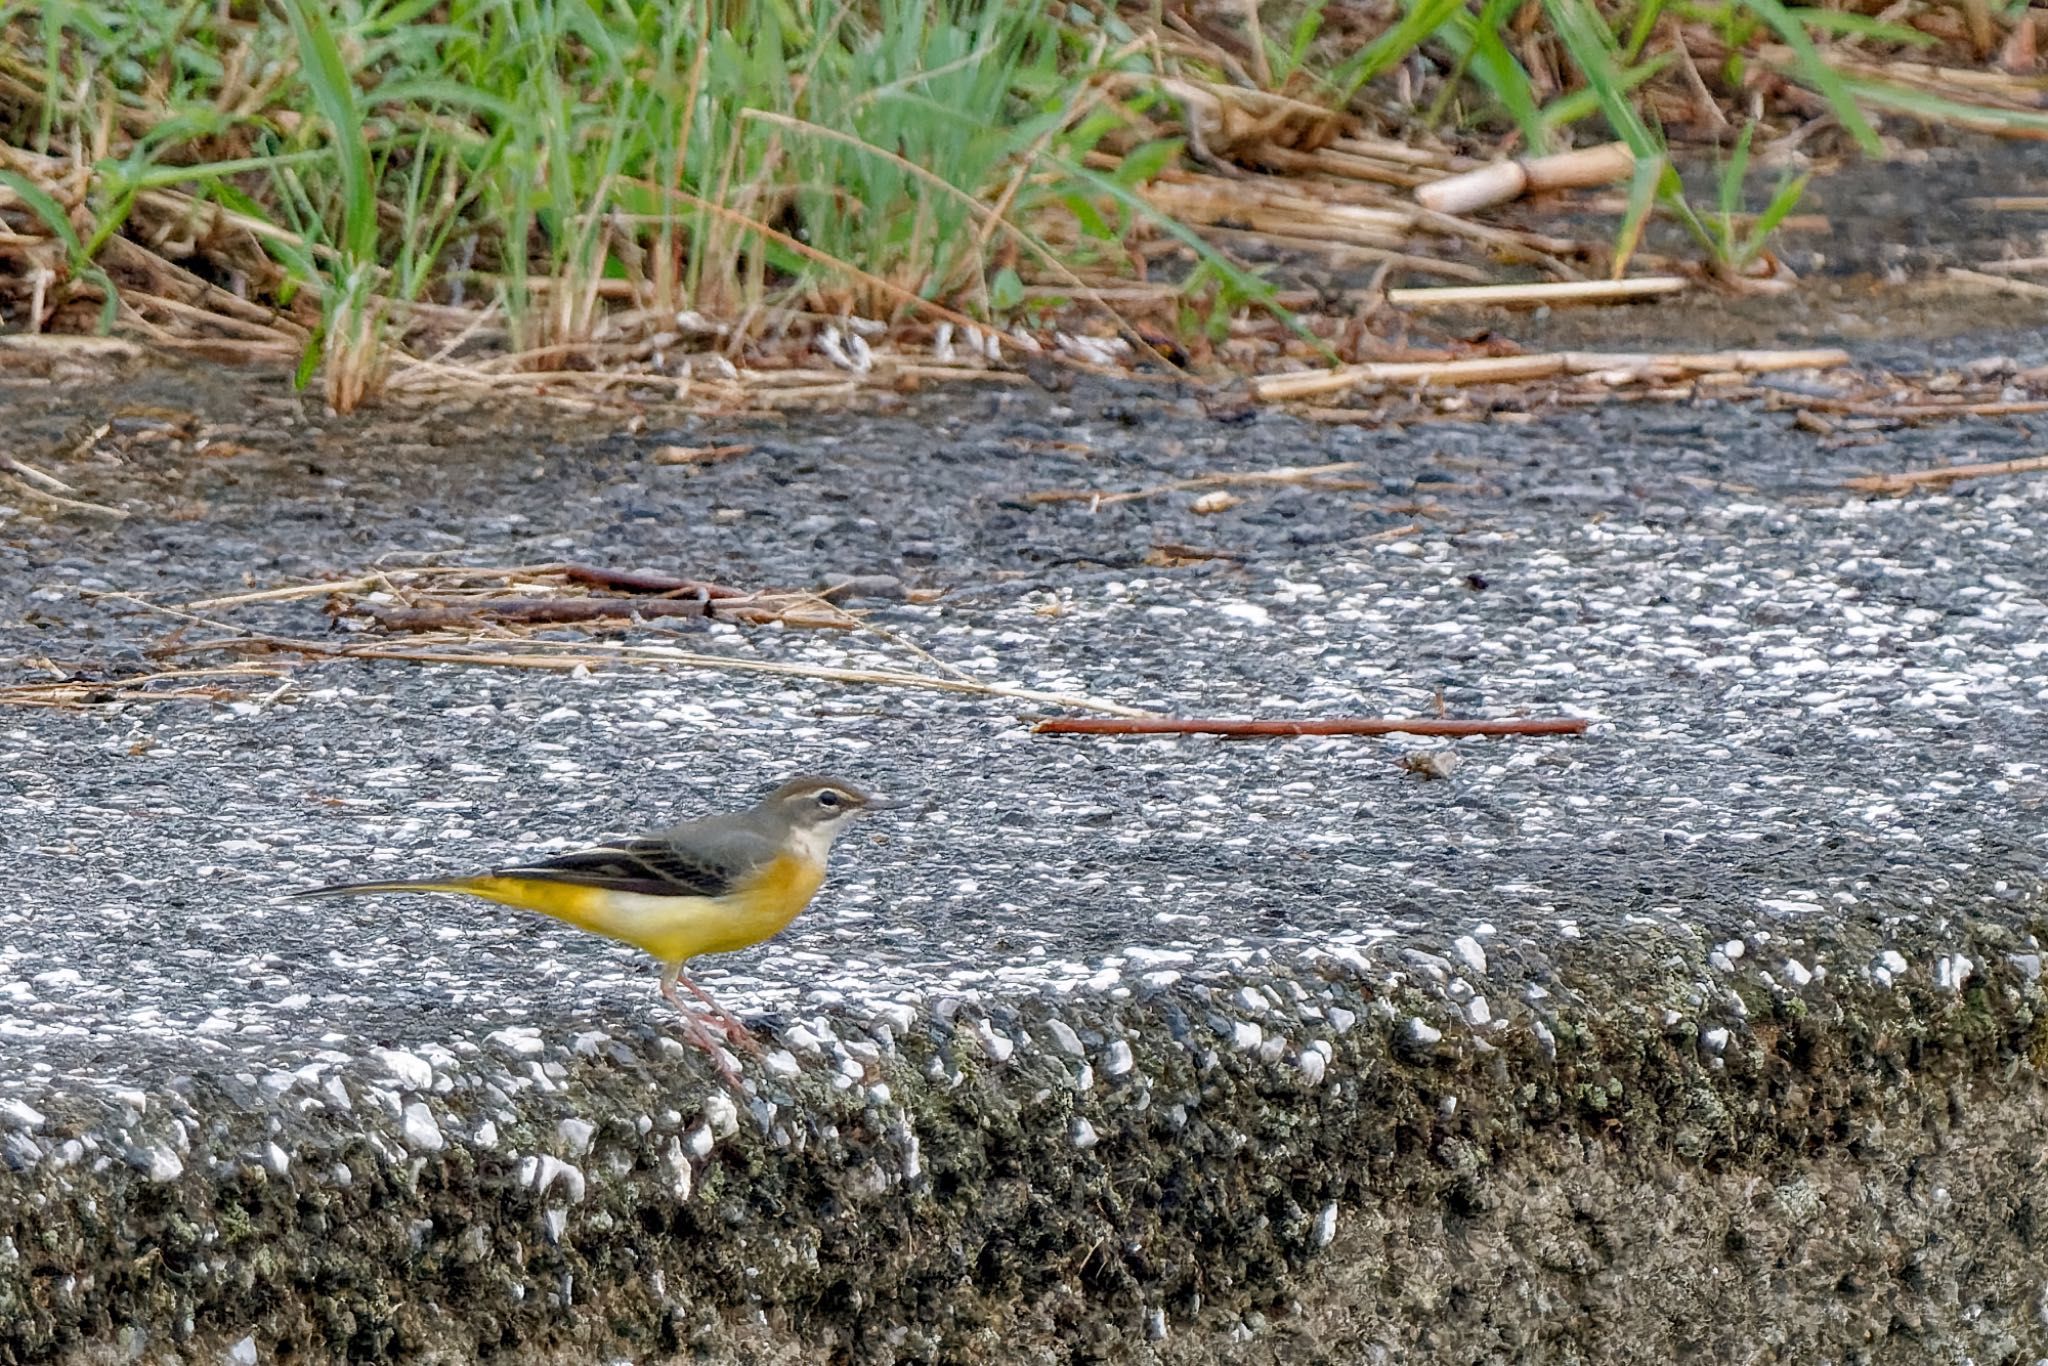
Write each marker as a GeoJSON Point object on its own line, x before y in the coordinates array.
{"type": "Point", "coordinates": [638, 581]}
{"type": "Point", "coordinates": [1343, 725]}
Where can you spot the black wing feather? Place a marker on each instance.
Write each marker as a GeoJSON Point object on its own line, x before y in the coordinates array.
{"type": "Point", "coordinates": [649, 867]}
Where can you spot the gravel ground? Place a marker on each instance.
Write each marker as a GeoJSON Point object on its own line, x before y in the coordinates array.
{"type": "Point", "coordinates": [1812, 790]}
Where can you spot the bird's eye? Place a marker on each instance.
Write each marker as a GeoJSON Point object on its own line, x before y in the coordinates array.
{"type": "Point", "coordinates": [828, 799]}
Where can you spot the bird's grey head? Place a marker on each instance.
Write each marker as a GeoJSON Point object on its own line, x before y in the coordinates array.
{"type": "Point", "coordinates": [820, 806]}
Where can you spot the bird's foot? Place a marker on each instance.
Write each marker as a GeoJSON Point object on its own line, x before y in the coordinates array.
{"type": "Point", "coordinates": [722, 1060]}
{"type": "Point", "coordinates": [698, 1029]}
{"type": "Point", "coordinates": [719, 1017]}
{"type": "Point", "coordinates": [735, 1033]}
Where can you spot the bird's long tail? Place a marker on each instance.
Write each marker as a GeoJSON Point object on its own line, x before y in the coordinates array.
{"type": "Point", "coordinates": [579, 905]}
{"type": "Point", "coordinates": [471, 886]}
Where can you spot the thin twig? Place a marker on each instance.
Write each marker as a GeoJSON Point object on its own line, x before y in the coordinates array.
{"type": "Point", "coordinates": [700, 455]}
{"type": "Point", "coordinates": [1345, 725]}
{"type": "Point", "coordinates": [73, 692]}
{"type": "Point", "coordinates": [25, 488]}
{"type": "Point", "coordinates": [288, 593]}
{"type": "Point", "coordinates": [2003, 284]}
{"type": "Point", "coordinates": [470, 613]}
{"type": "Point", "coordinates": [1610, 366]}
{"type": "Point", "coordinates": [36, 476]}
{"type": "Point", "coordinates": [639, 581]}
{"type": "Point", "coordinates": [603, 653]}
{"type": "Point", "coordinates": [633, 580]}
{"type": "Point", "coordinates": [884, 633]}
{"type": "Point", "coordinates": [475, 612]}
{"type": "Point", "coordinates": [83, 695]}
{"type": "Point", "coordinates": [1313, 475]}
{"type": "Point", "coordinates": [651, 655]}
{"type": "Point", "coordinates": [1907, 480]}
{"type": "Point", "coordinates": [238, 634]}
{"type": "Point", "coordinates": [1539, 293]}
{"type": "Point", "coordinates": [1911, 411]}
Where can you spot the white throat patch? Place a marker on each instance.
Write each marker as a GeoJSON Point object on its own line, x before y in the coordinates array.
{"type": "Point", "coordinates": [810, 842]}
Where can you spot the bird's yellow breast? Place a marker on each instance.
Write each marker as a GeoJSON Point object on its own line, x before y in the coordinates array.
{"type": "Point", "coordinates": [672, 928]}
{"type": "Point", "coordinates": [770, 897]}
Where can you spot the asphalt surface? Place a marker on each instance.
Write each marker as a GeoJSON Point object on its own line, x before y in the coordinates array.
{"type": "Point", "coordinates": [1816, 755]}
{"type": "Point", "coordinates": [1810, 708]}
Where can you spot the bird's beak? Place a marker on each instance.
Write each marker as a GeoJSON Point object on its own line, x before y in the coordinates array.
{"type": "Point", "coordinates": [887, 803]}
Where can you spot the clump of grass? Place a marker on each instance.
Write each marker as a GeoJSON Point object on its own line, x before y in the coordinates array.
{"type": "Point", "coordinates": [353, 313]}
{"type": "Point", "coordinates": [566, 183]}
{"type": "Point", "coordinates": [1482, 71]}
{"type": "Point", "coordinates": [735, 162]}
{"type": "Point", "coordinates": [1737, 241]}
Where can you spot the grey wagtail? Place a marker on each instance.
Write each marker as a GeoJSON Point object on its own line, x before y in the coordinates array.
{"type": "Point", "coordinates": [707, 886]}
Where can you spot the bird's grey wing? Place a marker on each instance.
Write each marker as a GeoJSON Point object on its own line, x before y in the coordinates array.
{"type": "Point", "coordinates": [704, 858]}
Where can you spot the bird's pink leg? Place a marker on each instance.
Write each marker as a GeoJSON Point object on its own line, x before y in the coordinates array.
{"type": "Point", "coordinates": [724, 1018]}
{"type": "Point", "coordinates": [698, 1031]}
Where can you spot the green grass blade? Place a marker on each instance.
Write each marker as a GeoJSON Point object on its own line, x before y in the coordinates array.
{"type": "Point", "coordinates": [1476, 41]}
{"type": "Point", "coordinates": [1940, 109]}
{"type": "Point", "coordinates": [437, 91]}
{"type": "Point", "coordinates": [39, 202]}
{"type": "Point", "coordinates": [1591, 45]}
{"type": "Point", "coordinates": [1861, 25]}
{"type": "Point", "coordinates": [1783, 200]}
{"type": "Point", "coordinates": [1423, 19]}
{"type": "Point", "coordinates": [1640, 30]}
{"type": "Point", "coordinates": [1252, 288]}
{"type": "Point", "coordinates": [157, 177]}
{"type": "Point", "coordinates": [45, 207]}
{"type": "Point", "coordinates": [327, 77]}
{"type": "Point", "coordinates": [1643, 187]}
{"type": "Point", "coordinates": [1566, 110]}
{"type": "Point", "coordinates": [1814, 68]}
{"type": "Point", "coordinates": [1733, 173]}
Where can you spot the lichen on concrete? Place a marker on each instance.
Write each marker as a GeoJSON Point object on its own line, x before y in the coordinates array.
{"type": "Point", "coordinates": [1852, 1175]}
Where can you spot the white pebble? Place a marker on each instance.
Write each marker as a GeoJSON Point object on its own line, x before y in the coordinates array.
{"type": "Point", "coordinates": [721, 1114]}
{"type": "Point", "coordinates": [421, 1129]}
{"type": "Point", "coordinates": [1248, 612]}
{"type": "Point", "coordinates": [1064, 1035]}
{"type": "Point", "coordinates": [20, 1114]}
{"type": "Point", "coordinates": [999, 1047]}
{"type": "Point", "coordinates": [1467, 948]}
{"type": "Point", "coordinates": [415, 1072]}
{"type": "Point", "coordinates": [549, 1170]}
